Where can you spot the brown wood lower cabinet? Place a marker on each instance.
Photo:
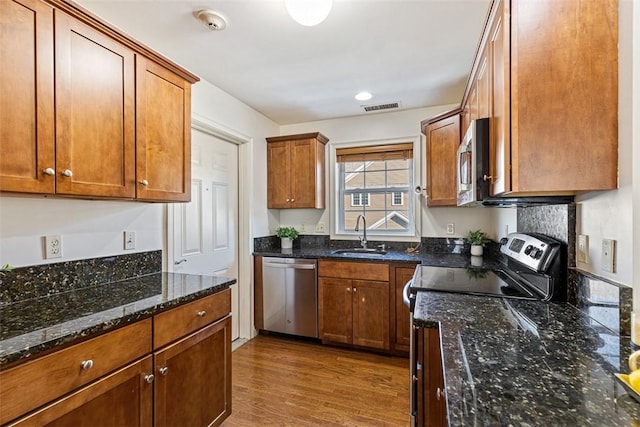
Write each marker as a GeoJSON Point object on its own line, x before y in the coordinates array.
{"type": "Point", "coordinates": [401, 275]}
{"type": "Point", "coordinates": [122, 398]}
{"type": "Point", "coordinates": [118, 379]}
{"type": "Point", "coordinates": [193, 378]}
{"type": "Point", "coordinates": [432, 403]}
{"type": "Point", "coordinates": [351, 310]}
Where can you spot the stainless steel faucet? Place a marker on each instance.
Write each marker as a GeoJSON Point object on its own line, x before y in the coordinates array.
{"type": "Point", "coordinates": [363, 239]}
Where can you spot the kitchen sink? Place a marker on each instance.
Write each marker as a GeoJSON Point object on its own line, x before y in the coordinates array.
{"type": "Point", "coordinates": [368, 251]}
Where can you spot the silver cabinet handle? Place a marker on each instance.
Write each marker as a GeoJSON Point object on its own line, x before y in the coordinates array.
{"type": "Point", "coordinates": [414, 378]}
{"type": "Point", "coordinates": [293, 200]}
{"type": "Point", "coordinates": [201, 313]}
{"type": "Point", "coordinates": [348, 289]}
{"type": "Point", "coordinates": [67, 173]}
{"type": "Point", "coordinates": [405, 293]}
{"type": "Point", "coordinates": [288, 200]}
{"type": "Point", "coordinates": [86, 364]}
{"type": "Point", "coordinates": [149, 378]}
{"type": "Point", "coordinates": [49, 171]}
{"type": "Point", "coordinates": [164, 371]}
{"type": "Point", "coordinates": [355, 289]}
{"type": "Point", "coordinates": [144, 182]}
{"type": "Point", "coordinates": [439, 393]}
{"type": "Point", "coordinates": [179, 262]}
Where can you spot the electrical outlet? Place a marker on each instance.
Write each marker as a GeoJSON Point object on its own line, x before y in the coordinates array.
{"type": "Point", "coordinates": [320, 227]}
{"type": "Point", "coordinates": [583, 248]}
{"type": "Point", "coordinates": [53, 246]}
{"type": "Point", "coordinates": [129, 240]}
{"type": "Point", "coordinates": [451, 228]}
{"type": "Point", "coordinates": [302, 228]}
{"type": "Point", "coordinates": [609, 255]}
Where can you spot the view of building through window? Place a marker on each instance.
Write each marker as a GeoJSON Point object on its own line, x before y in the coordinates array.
{"type": "Point", "coordinates": [379, 190]}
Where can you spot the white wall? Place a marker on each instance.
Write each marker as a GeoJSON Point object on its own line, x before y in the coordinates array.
{"type": "Point", "coordinates": [609, 214]}
{"type": "Point", "coordinates": [93, 228]}
{"type": "Point", "coordinates": [392, 125]}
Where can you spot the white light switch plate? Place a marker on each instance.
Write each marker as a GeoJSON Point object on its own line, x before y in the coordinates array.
{"type": "Point", "coordinates": [609, 255]}
{"type": "Point", "coordinates": [129, 240]}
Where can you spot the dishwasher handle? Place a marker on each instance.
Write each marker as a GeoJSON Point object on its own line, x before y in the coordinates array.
{"type": "Point", "coordinates": [291, 265]}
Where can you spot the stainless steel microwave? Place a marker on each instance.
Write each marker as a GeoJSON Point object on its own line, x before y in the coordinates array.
{"type": "Point", "coordinates": [473, 164]}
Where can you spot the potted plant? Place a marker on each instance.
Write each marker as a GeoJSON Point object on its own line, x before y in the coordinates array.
{"type": "Point", "coordinates": [477, 239]}
{"type": "Point", "coordinates": [287, 236]}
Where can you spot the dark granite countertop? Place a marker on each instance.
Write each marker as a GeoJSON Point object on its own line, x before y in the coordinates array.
{"type": "Point", "coordinates": [37, 325]}
{"type": "Point", "coordinates": [391, 256]}
{"type": "Point", "coordinates": [510, 362]}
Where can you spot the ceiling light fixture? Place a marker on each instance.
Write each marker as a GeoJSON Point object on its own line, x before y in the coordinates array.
{"type": "Point", "coordinates": [211, 19]}
{"type": "Point", "coordinates": [363, 96]}
{"type": "Point", "coordinates": [308, 12]}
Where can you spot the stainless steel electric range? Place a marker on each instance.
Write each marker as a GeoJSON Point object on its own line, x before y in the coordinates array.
{"type": "Point", "coordinates": [534, 268]}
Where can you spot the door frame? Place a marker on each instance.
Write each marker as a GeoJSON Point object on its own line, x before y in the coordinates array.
{"type": "Point", "coordinates": [245, 180]}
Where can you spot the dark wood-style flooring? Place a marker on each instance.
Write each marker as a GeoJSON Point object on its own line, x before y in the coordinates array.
{"type": "Point", "coordinates": [283, 382]}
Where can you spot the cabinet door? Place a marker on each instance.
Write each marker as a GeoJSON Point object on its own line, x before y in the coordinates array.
{"type": "Point", "coordinates": [95, 135]}
{"type": "Point", "coordinates": [278, 171]}
{"type": "Point", "coordinates": [26, 104]}
{"type": "Point", "coordinates": [306, 165]}
{"type": "Point", "coordinates": [371, 314]}
{"type": "Point", "coordinates": [193, 378]}
{"type": "Point", "coordinates": [403, 328]}
{"type": "Point", "coordinates": [443, 139]}
{"type": "Point", "coordinates": [335, 318]}
{"type": "Point", "coordinates": [123, 398]}
{"type": "Point", "coordinates": [500, 142]}
{"type": "Point", "coordinates": [432, 405]}
{"type": "Point", "coordinates": [483, 84]}
{"type": "Point", "coordinates": [163, 134]}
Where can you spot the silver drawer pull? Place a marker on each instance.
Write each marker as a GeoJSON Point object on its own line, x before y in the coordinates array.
{"type": "Point", "coordinates": [164, 371]}
{"type": "Point", "coordinates": [144, 182]}
{"type": "Point", "coordinates": [149, 378]}
{"type": "Point", "coordinates": [201, 313]}
{"type": "Point", "coordinates": [49, 171]}
{"type": "Point", "coordinates": [67, 173]}
{"type": "Point", "coordinates": [86, 364]}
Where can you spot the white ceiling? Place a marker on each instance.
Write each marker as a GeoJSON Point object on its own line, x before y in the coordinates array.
{"type": "Point", "coordinates": [417, 52]}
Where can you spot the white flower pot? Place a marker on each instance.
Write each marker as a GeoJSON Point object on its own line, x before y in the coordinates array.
{"type": "Point", "coordinates": [286, 243]}
{"type": "Point", "coordinates": [476, 261]}
{"type": "Point", "coordinates": [476, 250]}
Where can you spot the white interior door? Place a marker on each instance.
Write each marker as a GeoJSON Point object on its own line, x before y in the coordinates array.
{"type": "Point", "coordinates": [205, 239]}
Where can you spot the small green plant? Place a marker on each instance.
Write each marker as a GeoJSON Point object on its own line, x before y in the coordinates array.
{"type": "Point", "coordinates": [476, 238]}
{"type": "Point", "coordinates": [5, 268]}
{"type": "Point", "coordinates": [476, 273]}
{"type": "Point", "coordinates": [288, 232]}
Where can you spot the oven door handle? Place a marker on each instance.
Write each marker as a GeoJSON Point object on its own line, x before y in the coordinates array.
{"type": "Point", "coordinates": [405, 293]}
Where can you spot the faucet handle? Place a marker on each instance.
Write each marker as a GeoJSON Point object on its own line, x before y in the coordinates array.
{"type": "Point", "coordinates": [382, 247]}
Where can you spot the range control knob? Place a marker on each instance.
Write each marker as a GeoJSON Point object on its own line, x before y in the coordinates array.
{"type": "Point", "coordinates": [503, 241]}
{"type": "Point", "coordinates": [528, 250]}
{"type": "Point", "coordinates": [535, 253]}
{"type": "Point", "coordinates": [539, 254]}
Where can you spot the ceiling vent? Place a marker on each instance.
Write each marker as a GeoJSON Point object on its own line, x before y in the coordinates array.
{"type": "Point", "coordinates": [379, 107]}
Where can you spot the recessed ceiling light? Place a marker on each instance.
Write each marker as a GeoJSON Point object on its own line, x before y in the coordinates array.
{"type": "Point", "coordinates": [308, 12]}
{"type": "Point", "coordinates": [363, 96]}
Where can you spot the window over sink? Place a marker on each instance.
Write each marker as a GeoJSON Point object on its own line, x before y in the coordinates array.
{"type": "Point", "coordinates": [375, 181]}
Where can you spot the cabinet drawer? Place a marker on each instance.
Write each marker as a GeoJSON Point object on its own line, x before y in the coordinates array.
{"type": "Point", "coordinates": [354, 270]}
{"type": "Point", "coordinates": [181, 321]}
{"type": "Point", "coordinates": [35, 383]}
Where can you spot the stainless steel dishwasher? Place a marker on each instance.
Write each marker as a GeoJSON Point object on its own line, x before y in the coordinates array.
{"type": "Point", "coordinates": [290, 296]}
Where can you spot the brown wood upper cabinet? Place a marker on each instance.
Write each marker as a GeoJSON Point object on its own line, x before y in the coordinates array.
{"type": "Point", "coordinates": [443, 139]}
{"type": "Point", "coordinates": [109, 131]}
{"type": "Point", "coordinates": [295, 171]}
{"type": "Point", "coordinates": [553, 104]}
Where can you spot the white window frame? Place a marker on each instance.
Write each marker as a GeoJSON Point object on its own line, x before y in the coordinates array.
{"type": "Point", "coordinates": [413, 233]}
{"type": "Point", "coordinates": [368, 197]}
{"type": "Point", "coordinates": [393, 198]}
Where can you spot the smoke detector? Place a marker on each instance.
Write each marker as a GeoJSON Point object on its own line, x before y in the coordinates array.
{"type": "Point", "coordinates": [211, 19]}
